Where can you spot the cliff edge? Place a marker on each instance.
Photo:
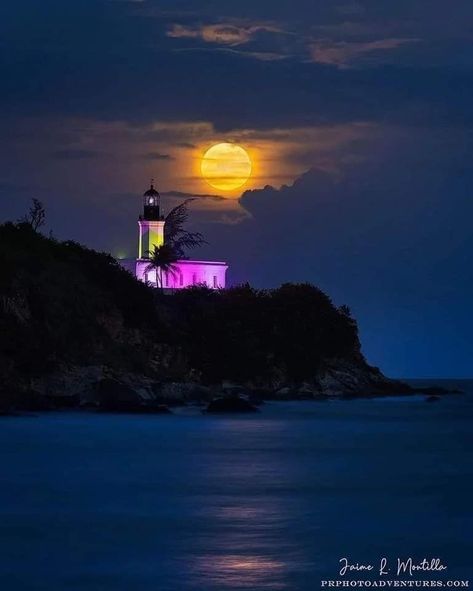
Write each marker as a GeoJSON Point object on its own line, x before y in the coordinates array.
{"type": "Point", "coordinates": [74, 325]}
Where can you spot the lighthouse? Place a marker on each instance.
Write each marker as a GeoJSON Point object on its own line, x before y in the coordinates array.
{"type": "Point", "coordinates": [151, 223]}
{"type": "Point", "coordinates": [186, 273]}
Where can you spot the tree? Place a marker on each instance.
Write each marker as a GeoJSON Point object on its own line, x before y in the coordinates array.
{"type": "Point", "coordinates": [36, 215]}
{"type": "Point", "coordinates": [162, 259]}
{"type": "Point", "coordinates": [177, 240]}
{"type": "Point", "coordinates": [345, 310]}
{"type": "Point", "coordinates": [176, 236]}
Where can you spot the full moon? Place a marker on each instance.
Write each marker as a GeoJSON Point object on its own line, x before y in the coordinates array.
{"type": "Point", "coordinates": [226, 166]}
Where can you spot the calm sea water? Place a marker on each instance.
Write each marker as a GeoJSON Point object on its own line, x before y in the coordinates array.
{"type": "Point", "coordinates": [272, 501]}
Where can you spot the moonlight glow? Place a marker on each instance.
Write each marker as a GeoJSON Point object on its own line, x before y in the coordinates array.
{"type": "Point", "coordinates": [226, 166]}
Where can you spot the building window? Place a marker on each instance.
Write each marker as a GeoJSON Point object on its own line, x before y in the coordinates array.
{"type": "Point", "coordinates": [181, 279]}
{"type": "Point", "coordinates": [166, 279]}
{"type": "Point", "coordinates": [194, 278]}
{"type": "Point", "coordinates": [215, 281]}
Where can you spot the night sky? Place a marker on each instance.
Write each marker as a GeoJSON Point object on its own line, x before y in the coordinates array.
{"type": "Point", "coordinates": [357, 114]}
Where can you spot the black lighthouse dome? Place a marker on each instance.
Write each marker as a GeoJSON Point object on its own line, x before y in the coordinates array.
{"type": "Point", "coordinates": [151, 204]}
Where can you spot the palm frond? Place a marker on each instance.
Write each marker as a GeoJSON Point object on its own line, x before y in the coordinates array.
{"type": "Point", "coordinates": [163, 258]}
{"type": "Point", "coordinates": [175, 221]}
{"type": "Point", "coordinates": [176, 235]}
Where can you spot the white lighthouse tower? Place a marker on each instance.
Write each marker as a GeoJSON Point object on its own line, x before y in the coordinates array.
{"type": "Point", "coordinates": [151, 224]}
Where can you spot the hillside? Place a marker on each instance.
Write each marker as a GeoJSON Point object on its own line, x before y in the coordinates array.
{"type": "Point", "coordinates": [72, 321]}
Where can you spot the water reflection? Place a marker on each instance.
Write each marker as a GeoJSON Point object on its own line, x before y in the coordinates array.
{"type": "Point", "coordinates": [245, 545]}
{"type": "Point", "coordinates": [240, 571]}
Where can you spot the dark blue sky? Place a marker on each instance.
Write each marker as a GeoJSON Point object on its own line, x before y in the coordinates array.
{"type": "Point", "coordinates": [359, 114]}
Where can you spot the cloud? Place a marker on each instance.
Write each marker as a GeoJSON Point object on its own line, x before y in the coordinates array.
{"type": "Point", "coordinates": [208, 209]}
{"type": "Point", "coordinates": [156, 156]}
{"type": "Point", "coordinates": [131, 70]}
{"type": "Point", "coordinates": [264, 56]}
{"type": "Point", "coordinates": [342, 53]}
{"type": "Point", "coordinates": [184, 195]}
{"type": "Point", "coordinates": [261, 41]}
{"type": "Point", "coordinates": [223, 34]}
{"type": "Point", "coordinates": [390, 236]}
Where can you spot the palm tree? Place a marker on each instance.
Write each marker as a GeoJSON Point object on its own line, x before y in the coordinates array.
{"type": "Point", "coordinates": [162, 259]}
{"type": "Point", "coordinates": [175, 234]}
{"type": "Point", "coordinates": [177, 240]}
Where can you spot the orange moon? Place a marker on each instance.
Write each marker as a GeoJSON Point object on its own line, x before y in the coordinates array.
{"type": "Point", "coordinates": [226, 166]}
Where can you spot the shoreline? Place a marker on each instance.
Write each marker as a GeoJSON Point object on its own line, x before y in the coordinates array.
{"type": "Point", "coordinates": [428, 394]}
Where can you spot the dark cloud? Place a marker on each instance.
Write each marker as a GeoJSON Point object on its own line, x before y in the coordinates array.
{"type": "Point", "coordinates": [129, 68]}
{"type": "Point", "coordinates": [156, 156]}
{"type": "Point", "coordinates": [391, 237]}
{"type": "Point", "coordinates": [184, 145]}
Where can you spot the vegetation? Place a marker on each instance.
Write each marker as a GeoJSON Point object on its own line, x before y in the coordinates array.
{"type": "Point", "coordinates": [62, 304]}
{"type": "Point", "coordinates": [249, 335]}
{"type": "Point", "coordinates": [36, 215]}
{"type": "Point", "coordinates": [177, 240]}
{"type": "Point", "coordinates": [163, 259]}
{"type": "Point", "coordinates": [176, 236]}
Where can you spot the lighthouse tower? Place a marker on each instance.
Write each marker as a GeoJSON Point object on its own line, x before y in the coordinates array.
{"type": "Point", "coordinates": [151, 224]}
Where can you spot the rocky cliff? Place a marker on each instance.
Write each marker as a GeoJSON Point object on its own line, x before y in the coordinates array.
{"type": "Point", "coordinates": [78, 330]}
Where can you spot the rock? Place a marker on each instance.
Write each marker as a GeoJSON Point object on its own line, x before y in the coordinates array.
{"type": "Point", "coordinates": [116, 396]}
{"type": "Point", "coordinates": [32, 400]}
{"type": "Point", "coordinates": [356, 378]}
{"type": "Point", "coordinates": [76, 382]}
{"type": "Point", "coordinates": [63, 402]}
{"type": "Point", "coordinates": [182, 392]}
{"type": "Point", "coordinates": [232, 389]}
{"type": "Point", "coordinates": [230, 404]}
{"type": "Point", "coordinates": [432, 398]}
{"type": "Point", "coordinates": [435, 390]}
{"type": "Point", "coordinates": [253, 398]}
{"type": "Point", "coordinates": [307, 392]}
{"type": "Point", "coordinates": [149, 409]}
{"type": "Point", "coordinates": [285, 393]}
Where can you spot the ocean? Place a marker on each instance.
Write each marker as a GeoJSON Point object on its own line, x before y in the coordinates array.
{"type": "Point", "coordinates": [273, 501]}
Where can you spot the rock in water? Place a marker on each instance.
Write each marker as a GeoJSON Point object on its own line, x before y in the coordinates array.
{"type": "Point", "coordinates": [230, 404]}
{"type": "Point", "coordinates": [116, 396]}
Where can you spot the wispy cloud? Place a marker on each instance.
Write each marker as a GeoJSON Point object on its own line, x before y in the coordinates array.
{"type": "Point", "coordinates": [156, 156]}
{"type": "Point", "coordinates": [342, 53]}
{"type": "Point", "coordinates": [209, 209]}
{"type": "Point", "coordinates": [223, 34]}
{"type": "Point", "coordinates": [184, 195]}
{"type": "Point", "coordinates": [265, 56]}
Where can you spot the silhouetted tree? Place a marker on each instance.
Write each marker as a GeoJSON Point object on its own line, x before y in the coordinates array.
{"type": "Point", "coordinates": [345, 310]}
{"type": "Point", "coordinates": [36, 215]}
{"type": "Point", "coordinates": [177, 240]}
{"type": "Point", "coordinates": [163, 259]}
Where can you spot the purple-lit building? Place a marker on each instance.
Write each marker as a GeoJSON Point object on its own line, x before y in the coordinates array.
{"type": "Point", "coordinates": [186, 272]}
